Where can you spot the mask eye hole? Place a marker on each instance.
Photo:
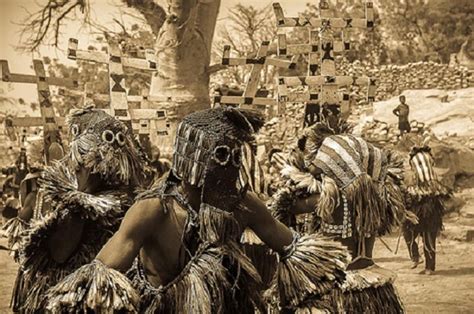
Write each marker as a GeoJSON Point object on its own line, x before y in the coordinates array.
{"type": "Point", "coordinates": [75, 130]}
{"type": "Point", "coordinates": [120, 137]}
{"type": "Point", "coordinates": [221, 155]}
{"type": "Point", "coordinates": [237, 157]}
{"type": "Point", "coordinates": [108, 136]}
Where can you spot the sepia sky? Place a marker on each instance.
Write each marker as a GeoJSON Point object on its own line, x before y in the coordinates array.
{"type": "Point", "coordinates": [13, 12]}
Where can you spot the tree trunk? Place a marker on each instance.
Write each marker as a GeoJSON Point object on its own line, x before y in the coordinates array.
{"type": "Point", "coordinates": [183, 48]}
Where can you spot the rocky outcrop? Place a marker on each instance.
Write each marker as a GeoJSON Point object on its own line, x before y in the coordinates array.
{"type": "Point", "coordinates": [445, 113]}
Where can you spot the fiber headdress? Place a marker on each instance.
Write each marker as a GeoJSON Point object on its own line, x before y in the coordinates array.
{"type": "Point", "coordinates": [208, 154]}
{"type": "Point", "coordinates": [216, 134]}
{"type": "Point", "coordinates": [106, 146]}
{"type": "Point", "coordinates": [366, 176]}
{"type": "Point", "coordinates": [426, 180]}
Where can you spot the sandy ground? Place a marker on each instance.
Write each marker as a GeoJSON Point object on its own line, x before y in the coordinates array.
{"type": "Point", "coordinates": [450, 290]}
{"type": "Point", "coordinates": [7, 278]}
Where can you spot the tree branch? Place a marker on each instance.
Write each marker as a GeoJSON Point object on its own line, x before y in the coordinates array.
{"type": "Point", "coordinates": [37, 25]}
{"type": "Point", "coordinates": [153, 13]}
{"type": "Point", "coordinates": [124, 29]}
{"type": "Point", "coordinates": [216, 68]}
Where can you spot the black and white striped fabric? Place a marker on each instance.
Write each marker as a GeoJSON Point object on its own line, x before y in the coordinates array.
{"type": "Point", "coordinates": [251, 171]}
{"type": "Point", "coordinates": [426, 183]}
{"type": "Point", "coordinates": [345, 157]}
{"type": "Point", "coordinates": [422, 166]}
{"type": "Point", "coordinates": [279, 160]}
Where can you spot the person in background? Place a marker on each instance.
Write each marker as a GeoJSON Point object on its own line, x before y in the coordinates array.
{"type": "Point", "coordinates": [3, 198]}
{"type": "Point", "coordinates": [402, 111]}
{"type": "Point", "coordinates": [425, 197]}
{"type": "Point", "coordinates": [12, 204]}
{"type": "Point", "coordinates": [352, 190]}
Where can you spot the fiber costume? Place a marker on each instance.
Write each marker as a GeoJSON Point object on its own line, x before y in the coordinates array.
{"type": "Point", "coordinates": [359, 199]}
{"type": "Point", "coordinates": [30, 198]}
{"type": "Point", "coordinates": [215, 276]}
{"type": "Point", "coordinates": [27, 193]}
{"type": "Point", "coordinates": [106, 147]}
{"type": "Point", "coordinates": [425, 198]}
{"type": "Point", "coordinates": [16, 226]}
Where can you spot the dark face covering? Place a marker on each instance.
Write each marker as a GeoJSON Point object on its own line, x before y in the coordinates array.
{"type": "Point", "coordinates": [88, 182]}
{"type": "Point", "coordinates": [208, 155]}
{"type": "Point", "coordinates": [222, 187]}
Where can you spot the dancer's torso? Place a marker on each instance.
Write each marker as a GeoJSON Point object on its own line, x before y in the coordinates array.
{"type": "Point", "coordinates": [163, 255]}
{"type": "Point", "coordinates": [172, 245]}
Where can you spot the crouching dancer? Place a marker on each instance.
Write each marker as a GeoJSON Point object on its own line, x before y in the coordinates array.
{"type": "Point", "coordinates": [80, 203]}
{"type": "Point", "coordinates": [352, 189]}
{"type": "Point", "coordinates": [180, 241]}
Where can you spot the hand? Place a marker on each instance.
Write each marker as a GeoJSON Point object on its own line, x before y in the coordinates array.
{"type": "Point", "coordinates": [411, 217]}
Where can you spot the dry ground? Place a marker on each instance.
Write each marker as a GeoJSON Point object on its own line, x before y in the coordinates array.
{"type": "Point", "coordinates": [7, 278]}
{"type": "Point", "coordinates": [450, 290]}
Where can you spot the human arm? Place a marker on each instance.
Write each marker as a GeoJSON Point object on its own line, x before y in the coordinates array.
{"type": "Point", "coordinates": [65, 238]}
{"type": "Point", "coordinates": [307, 265]}
{"type": "Point", "coordinates": [26, 212]}
{"type": "Point", "coordinates": [15, 227]}
{"type": "Point", "coordinates": [100, 286]}
{"type": "Point", "coordinates": [396, 111]}
{"type": "Point", "coordinates": [271, 231]}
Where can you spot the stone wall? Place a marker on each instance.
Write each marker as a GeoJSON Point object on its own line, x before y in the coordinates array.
{"type": "Point", "coordinates": [392, 80]}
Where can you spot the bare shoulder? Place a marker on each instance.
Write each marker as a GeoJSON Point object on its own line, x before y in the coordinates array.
{"type": "Point", "coordinates": [26, 211]}
{"type": "Point", "coordinates": [148, 207]}
{"type": "Point", "coordinates": [144, 214]}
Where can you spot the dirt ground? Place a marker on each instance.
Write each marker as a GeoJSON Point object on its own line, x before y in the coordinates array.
{"type": "Point", "coordinates": [449, 290]}
{"type": "Point", "coordinates": [7, 278]}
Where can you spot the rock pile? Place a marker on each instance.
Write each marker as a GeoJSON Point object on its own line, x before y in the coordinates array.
{"type": "Point", "coordinates": [382, 133]}
{"type": "Point", "coordinates": [392, 80]}
{"type": "Point", "coordinates": [283, 130]}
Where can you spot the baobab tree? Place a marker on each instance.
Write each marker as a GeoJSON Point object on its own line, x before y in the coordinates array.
{"type": "Point", "coordinates": [183, 29]}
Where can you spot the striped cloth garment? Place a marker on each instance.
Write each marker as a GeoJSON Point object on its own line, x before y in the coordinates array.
{"type": "Point", "coordinates": [345, 157]}
{"type": "Point", "coordinates": [251, 171]}
{"type": "Point", "coordinates": [279, 160]}
{"type": "Point", "coordinates": [422, 166]}
{"type": "Point", "coordinates": [426, 180]}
